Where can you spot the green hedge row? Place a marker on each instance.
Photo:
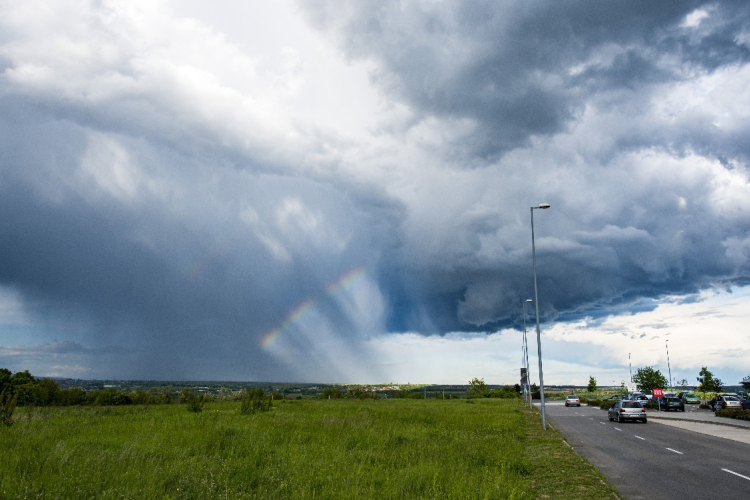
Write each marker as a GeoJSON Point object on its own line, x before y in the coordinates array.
{"type": "Point", "coordinates": [736, 414]}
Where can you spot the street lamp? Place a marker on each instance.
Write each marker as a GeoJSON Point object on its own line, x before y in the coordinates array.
{"type": "Point", "coordinates": [525, 343]}
{"type": "Point", "coordinates": [542, 206]}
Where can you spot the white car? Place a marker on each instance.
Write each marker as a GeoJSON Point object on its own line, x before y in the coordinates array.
{"type": "Point", "coordinates": [572, 401]}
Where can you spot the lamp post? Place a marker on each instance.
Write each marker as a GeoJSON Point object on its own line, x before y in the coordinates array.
{"type": "Point", "coordinates": [528, 374]}
{"type": "Point", "coordinates": [542, 206]}
{"type": "Point", "coordinates": [669, 366]}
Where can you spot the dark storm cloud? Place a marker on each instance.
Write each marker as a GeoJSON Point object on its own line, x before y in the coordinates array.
{"type": "Point", "coordinates": [521, 69]}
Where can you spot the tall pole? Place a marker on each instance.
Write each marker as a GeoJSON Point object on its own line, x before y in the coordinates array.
{"type": "Point", "coordinates": [523, 367]}
{"type": "Point", "coordinates": [526, 343]}
{"type": "Point", "coordinates": [631, 369]}
{"type": "Point", "coordinates": [669, 366]}
{"type": "Point", "coordinates": [536, 305]}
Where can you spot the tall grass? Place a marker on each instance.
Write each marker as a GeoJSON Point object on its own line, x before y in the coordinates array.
{"type": "Point", "coordinates": [307, 449]}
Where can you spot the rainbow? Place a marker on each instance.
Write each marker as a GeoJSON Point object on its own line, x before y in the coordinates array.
{"type": "Point", "coordinates": [344, 282]}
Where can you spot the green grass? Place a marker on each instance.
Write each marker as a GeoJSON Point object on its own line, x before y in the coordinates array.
{"type": "Point", "coordinates": [306, 449]}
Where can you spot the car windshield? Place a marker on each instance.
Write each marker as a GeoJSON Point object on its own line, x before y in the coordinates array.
{"type": "Point", "coordinates": [672, 400]}
{"type": "Point", "coordinates": [690, 395]}
{"type": "Point", "coordinates": [572, 397]}
{"type": "Point", "coordinates": [730, 398]}
{"type": "Point", "coordinates": [630, 404]}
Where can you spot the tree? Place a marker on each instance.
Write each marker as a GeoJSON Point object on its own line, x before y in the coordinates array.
{"type": "Point", "coordinates": [706, 379]}
{"type": "Point", "coordinates": [592, 384]}
{"type": "Point", "coordinates": [477, 388]}
{"type": "Point", "coordinates": [648, 379]}
{"type": "Point", "coordinates": [718, 384]}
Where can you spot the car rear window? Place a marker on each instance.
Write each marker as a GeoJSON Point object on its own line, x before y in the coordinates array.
{"type": "Point", "coordinates": [631, 404]}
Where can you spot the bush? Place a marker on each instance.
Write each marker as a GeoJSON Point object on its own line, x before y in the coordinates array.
{"type": "Point", "coordinates": [593, 402]}
{"type": "Point", "coordinates": [736, 414]}
{"type": "Point", "coordinates": [253, 402]}
{"type": "Point", "coordinates": [606, 405]}
{"type": "Point", "coordinates": [7, 407]}
{"type": "Point", "coordinates": [194, 403]}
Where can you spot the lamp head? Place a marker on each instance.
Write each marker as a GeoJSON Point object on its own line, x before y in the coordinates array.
{"type": "Point", "coordinates": [543, 206]}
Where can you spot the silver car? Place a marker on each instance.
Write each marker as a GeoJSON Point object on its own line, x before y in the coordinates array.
{"type": "Point", "coordinates": [627, 410]}
{"type": "Point", "coordinates": [572, 401]}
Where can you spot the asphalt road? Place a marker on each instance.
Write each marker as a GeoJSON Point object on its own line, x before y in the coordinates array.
{"type": "Point", "coordinates": [644, 461]}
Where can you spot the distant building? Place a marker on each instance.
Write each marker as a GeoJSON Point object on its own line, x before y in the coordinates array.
{"type": "Point", "coordinates": [746, 382]}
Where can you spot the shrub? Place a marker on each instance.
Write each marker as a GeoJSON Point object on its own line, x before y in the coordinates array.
{"type": "Point", "coordinates": [734, 413]}
{"type": "Point", "coordinates": [252, 402]}
{"type": "Point", "coordinates": [606, 405]}
{"type": "Point", "coordinates": [593, 402]}
{"type": "Point", "coordinates": [7, 407]}
{"type": "Point", "coordinates": [194, 403]}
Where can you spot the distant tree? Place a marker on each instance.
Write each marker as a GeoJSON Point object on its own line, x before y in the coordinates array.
{"type": "Point", "coordinates": [718, 385]}
{"type": "Point", "coordinates": [706, 380]}
{"type": "Point", "coordinates": [648, 379]}
{"type": "Point", "coordinates": [592, 384]}
{"type": "Point", "coordinates": [517, 388]}
{"type": "Point", "coordinates": [477, 388]}
{"type": "Point", "coordinates": [683, 383]}
{"type": "Point", "coordinates": [535, 392]}
{"type": "Point", "coordinates": [5, 376]}
{"type": "Point", "coordinates": [331, 393]}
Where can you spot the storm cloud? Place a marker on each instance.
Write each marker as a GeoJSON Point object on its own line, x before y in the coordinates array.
{"type": "Point", "coordinates": [170, 191]}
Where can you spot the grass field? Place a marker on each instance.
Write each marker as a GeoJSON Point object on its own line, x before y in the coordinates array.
{"type": "Point", "coordinates": [304, 449]}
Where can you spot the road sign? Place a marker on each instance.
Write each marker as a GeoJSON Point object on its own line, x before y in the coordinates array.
{"type": "Point", "coordinates": [524, 379]}
{"type": "Point", "coordinates": [658, 393]}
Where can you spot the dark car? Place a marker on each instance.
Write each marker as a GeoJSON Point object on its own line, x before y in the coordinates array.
{"type": "Point", "coordinates": [672, 403]}
{"type": "Point", "coordinates": [746, 404]}
{"type": "Point", "coordinates": [627, 410]}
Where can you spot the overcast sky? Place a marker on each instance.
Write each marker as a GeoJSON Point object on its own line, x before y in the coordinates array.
{"type": "Point", "coordinates": [331, 191]}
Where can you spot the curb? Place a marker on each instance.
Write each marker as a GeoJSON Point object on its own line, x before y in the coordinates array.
{"type": "Point", "coordinates": [725, 424]}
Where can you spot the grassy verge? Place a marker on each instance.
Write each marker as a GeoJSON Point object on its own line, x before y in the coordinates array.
{"type": "Point", "coordinates": [559, 472]}
{"type": "Point", "coordinates": [311, 449]}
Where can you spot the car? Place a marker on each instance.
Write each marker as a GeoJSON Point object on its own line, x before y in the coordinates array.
{"type": "Point", "coordinates": [671, 403]}
{"type": "Point", "coordinates": [689, 398]}
{"type": "Point", "coordinates": [627, 410]}
{"type": "Point", "coordinates": [727, 402]}
{"type": "Point", "coordinates": [640, 398]}
{"type": "Point", "coordinates": [572, 401]}
{"type": "Point", "coordinates": [617, 397]}
{"type": "Point", "coordinates": [746, 404]}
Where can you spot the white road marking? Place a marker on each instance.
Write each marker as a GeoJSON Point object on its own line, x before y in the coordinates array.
{"type": "Point", "coordinates": [732, 472]}
{"type": "Point", "coordinates": [603, 423]}
{"type": "Point", "coordinates": [642, 439]}
{"type": "Point", "coordinates": [679, 452]}
{"type": "Point", "coordinates": [618, 429]}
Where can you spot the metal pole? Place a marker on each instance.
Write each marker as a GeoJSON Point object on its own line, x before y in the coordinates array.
{"type": "Point", "coordinates": [631, 369]}
{"type": "Point", "coordinates": [536, 305]}
{"type": "Point", "coordinates": [526, 343]}
{"type": "Point", "coordinates": [669, 366]}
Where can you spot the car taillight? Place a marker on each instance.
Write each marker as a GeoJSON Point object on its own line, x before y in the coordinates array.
{"type": "Point", "coordinates": [622, 410]}
{"type": "Point", "coordinates": [643, 410]}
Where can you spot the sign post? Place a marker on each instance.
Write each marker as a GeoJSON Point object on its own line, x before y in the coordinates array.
{"type": "Point", "coordinates": [658, 393]}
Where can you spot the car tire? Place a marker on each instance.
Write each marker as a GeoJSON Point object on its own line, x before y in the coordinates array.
{"type": "Point", "coordinates": [645, 421]}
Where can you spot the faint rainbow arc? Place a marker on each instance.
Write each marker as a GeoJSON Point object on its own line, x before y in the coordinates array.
{"type": "Point", "coordinates": [345, 281]}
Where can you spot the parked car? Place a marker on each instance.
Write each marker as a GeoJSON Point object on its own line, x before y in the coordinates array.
{"type": "Point", "coordinates": [689, 398]}
{"type": "Point", "coordinates": [627, 410]}
{"type": "Point", "coordinates": [572, 401]}
{"type": "Point", "coordinates": [672, 403]}
{"type": "Point", "coordinates": [725, 402]}
{"type": "Point", "coordinates": [640, 398]}
{"type": "Point", "coordinates": [746, 404]}
{"type": "Point", "coordinates": [617, 397]}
